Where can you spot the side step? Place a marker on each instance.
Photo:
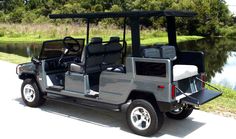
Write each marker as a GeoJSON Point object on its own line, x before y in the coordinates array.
{"type": "Point", "coordinates": [82, 102]}
{"type": "Point", "coordinates": [201, 97]}
{"type": "Point", "coordinates": [55, 88]}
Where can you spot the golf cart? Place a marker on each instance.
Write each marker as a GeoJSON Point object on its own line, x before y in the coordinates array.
{"type": "Point", "coordinates": [147, 84]}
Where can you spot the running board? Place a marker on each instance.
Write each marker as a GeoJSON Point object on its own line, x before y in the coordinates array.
{"type": "Point", "coordinates": [55, 88]}
{"type": "Point", "coordinates": [83, 102]}
{"type": "Point", "coordinates": [201, 97]}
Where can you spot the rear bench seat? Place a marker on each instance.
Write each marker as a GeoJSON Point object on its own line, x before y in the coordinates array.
{"type": "Point", "coordinates": [179, 71]}
{"type": "Point", "coordinates": [184, 71]}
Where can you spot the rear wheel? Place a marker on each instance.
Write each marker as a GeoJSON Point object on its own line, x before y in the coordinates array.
{"type": "Point", "coordinates": [31, 94]}
{"type": "Point", "coordinates": [143, 119]}
{"type": "Point", "coordinates": [180, 113]}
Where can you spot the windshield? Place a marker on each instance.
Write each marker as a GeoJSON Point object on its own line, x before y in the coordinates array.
{"type": "Point", "coordinates": [55, 48]}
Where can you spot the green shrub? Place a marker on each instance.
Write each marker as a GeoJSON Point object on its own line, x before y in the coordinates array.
{"type": "Point", "coordinates": [29, 17]}
{"type": "Point", "coordinates": [98, 8]}
{"type": "Point", "coordinates": [1, 33]}
{"type": "Point", "coordinates": [41, 19]}
{"type": "Point", "coordinates": [16, 16]}
{"type": "Point", "coordinates": [231, 34]}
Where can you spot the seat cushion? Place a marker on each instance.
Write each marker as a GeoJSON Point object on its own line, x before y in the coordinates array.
{"type": "Point", "coordinates": [184, 71]}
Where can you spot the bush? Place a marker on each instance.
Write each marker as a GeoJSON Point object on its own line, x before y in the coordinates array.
{"type": "Point", "coordinates": [29, 17]}
{"type": "Point", "coordinates": [231, 34]}
{"type": "Point", "coordinates": [42, 19]}
{"type": "Point", "coordinates": [2, 33]}
{"type": "Point", "coordinates": [98, 8]}
{"type": "Point", "coordinates": [16, 16]}
{"type": "Point", "coordinates": [2, 16]}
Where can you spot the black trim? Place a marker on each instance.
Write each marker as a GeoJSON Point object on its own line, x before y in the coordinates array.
{"type": "Point", "coordinates": [166, 106]}
{"type": "Point", "coordinates": [43, 46]}
{"type": "Point", "coordinates": [83, 102]}
{"type": "Point", "coordinates": [125, 14]}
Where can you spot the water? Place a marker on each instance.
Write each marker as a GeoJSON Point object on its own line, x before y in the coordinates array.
{"type": "Point", "coordinates": [220, 56]}
{"type": "Point", "coordinates": [21, 49]}
{"type": "Point", "coordinates": [220, 59]}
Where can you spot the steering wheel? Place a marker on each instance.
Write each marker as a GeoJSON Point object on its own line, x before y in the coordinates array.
{"type": "Point", "coordinates": [71, 45]}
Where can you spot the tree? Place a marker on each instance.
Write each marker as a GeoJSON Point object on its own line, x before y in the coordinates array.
{"type": "Point", "coordinates": [212, 14]}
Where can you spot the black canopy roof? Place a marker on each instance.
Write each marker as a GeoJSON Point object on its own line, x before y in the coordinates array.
{"type": "Point", "coordinates": [125, 14]}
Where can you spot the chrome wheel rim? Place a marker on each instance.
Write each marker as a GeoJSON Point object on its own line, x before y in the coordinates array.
{"type": "Point", "coordinates": [29, 93]}
{"type": "Point", "coordinates": [140, 118]}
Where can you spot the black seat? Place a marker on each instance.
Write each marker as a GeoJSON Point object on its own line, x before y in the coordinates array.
{"type": "Point", "coordinates": [112, 57]}
{"type": "Point", "coordinates": [113, 51]}
{"type": "Point", "coordinates": [165, 52]}
{"type": "Point", "coordinates": [91, 59]}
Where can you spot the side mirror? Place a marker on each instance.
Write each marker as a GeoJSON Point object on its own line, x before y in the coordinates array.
{"type": "Point", "coordinates": [35, 60]}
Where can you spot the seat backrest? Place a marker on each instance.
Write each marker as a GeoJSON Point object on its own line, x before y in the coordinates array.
{"type": "Point", "coordinates": [113, 51]}
{"type": "Point", "coordinates": [168, 52]}
{"type": "Point", "coordinates": [151, 53]}
{"type": "Point", "coordinates": [160, 52]}
{"type": "Point", "coordinates": [94, 54]}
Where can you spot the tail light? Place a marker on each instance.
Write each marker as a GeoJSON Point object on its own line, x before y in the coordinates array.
{"type": "Point", "coordinates": [173, 91]}
{"type": "Point", "coordinates": [203, 78]}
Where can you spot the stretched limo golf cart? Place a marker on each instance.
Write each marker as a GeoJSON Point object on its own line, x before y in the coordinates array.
{"type": "Point", "coordinates": [147, 84]}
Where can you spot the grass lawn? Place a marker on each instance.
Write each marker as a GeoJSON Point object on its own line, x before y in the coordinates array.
{"type": "Point", "coordinates": [151, 40]}
{"type": "Point", "coordinates": [224, 105]}
{"type": "Point", "coordinates": [24, 39]}
{"type": "Point", "coordinates": [42, 32]}
{"type": "Point", "coordinates": [13, 58]}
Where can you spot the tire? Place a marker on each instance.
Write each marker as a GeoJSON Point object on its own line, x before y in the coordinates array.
{"type": "Point", "coordinates": [30, 93]}
{"type": "Point", "coordinates": [134, 113]}
{"type": "Point", "coordinates": [183, 113]}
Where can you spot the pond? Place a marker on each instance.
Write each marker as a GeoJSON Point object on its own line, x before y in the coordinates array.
{"type": "Point", "coordinates": [220, 56]}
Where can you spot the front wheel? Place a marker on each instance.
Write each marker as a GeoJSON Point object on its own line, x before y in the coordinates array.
{"type": "Point", "coordinates": [31, 94]}
{"type": "Point", "coordinates": [180, 113]}
{"type": "Point", "coordinates": [144, 119]}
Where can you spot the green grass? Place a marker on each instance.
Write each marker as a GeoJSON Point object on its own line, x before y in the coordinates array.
{"type": "Point", "coordinates": [150, 40]}
{"type": "Point", "coordinates": [13, 58]}
{"type": "Point", "coordinates": [23, 39]}
{"type": "Point", "coordinates": [225, 104]}
{"type": "Point", "coordinates": [42, 32]}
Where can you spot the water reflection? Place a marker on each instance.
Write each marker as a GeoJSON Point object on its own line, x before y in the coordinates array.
{"type": "Point", "coordinates": [220, 59]}
{"type": "Point", "coordinates": [220, 56]}
{"type": "Point", "coordinates": [226, 76]}
{"type": "Point", "coordinates": [21, 49]}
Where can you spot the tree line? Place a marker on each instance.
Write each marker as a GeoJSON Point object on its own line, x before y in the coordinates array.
{"type": "Point", "coordinates": [212, 14]}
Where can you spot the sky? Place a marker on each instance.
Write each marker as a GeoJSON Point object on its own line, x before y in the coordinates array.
{"type": "Point", "coordinates": [232, 5]}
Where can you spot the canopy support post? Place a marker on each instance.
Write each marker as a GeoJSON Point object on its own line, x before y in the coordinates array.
{"type": "Point", "coordinates": [87, 37]}
{"type": "Point", "coordinates": [171, 29]}
{"type": "Point", "coordinates": [135, 34]}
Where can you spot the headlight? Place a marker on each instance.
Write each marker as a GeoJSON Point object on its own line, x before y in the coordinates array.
{"type": "Point", "coordinates": [18, 69]}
